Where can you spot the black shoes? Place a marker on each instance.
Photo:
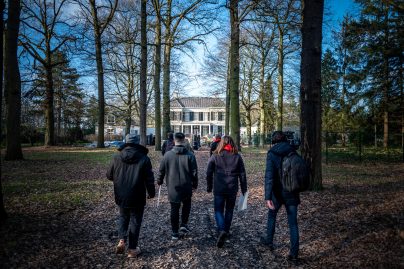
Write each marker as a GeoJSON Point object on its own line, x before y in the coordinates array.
{"type": "Point", "coordinates": [265, 242]}
{"type": "Point", "coordinates": [221, 239]}
{"type": "Point", "coordinates": [293, 259]}
{"type": "Point", "coordinates": [184, 229]}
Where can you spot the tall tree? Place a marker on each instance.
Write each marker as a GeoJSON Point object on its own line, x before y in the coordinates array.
{"type": "Point", "coordinates": [189, 13]}
{"type": "Point", "coordinates": [143, 72]}
{"type": "Point", "coordinates": [12, 83]}
{"type": "Point", "coordinates": [310, 88]}
{"type": "Point", "coordinates": [3, 213]}
{"type": "Point", "coordinates": [157, 75]}
{"type": "Point", "coordinates": [42, 38]}
{"type": "Point", "coordinates": [99, 17]}
{"type": "Point", "coordinates": [236, 17]}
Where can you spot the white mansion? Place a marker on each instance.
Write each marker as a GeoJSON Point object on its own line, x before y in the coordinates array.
{"type": "Point", "coordinates": [197, 115]}
{"type": "Point", "coordinates": [190, 115]}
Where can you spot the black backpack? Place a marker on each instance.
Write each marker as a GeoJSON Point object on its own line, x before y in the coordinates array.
{"type": "Point", "coordinates": [294, 173]}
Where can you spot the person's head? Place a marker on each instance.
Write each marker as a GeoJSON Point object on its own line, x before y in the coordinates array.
{"type": "Point", "coordinates": [132, 139]}
{"type": "Point", "coordinates": [218, 137]}
{"type": "Point", "coordinates": [179, 139]}
{"type": "Point", "coordinates": [278, 136]}
{"type": "Point", "coordinates": [170, 135]}
{"type": "Point", "coordinates": [226, 143]}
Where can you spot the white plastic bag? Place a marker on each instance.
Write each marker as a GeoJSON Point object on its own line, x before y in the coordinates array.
{"type": "Point", "coordinates": [242, 202]}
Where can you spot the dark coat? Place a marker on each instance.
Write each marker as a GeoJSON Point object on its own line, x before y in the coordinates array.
{"type": "Point", "coordinates": [131, 172]}
{"type": "Point", "coordinates": [167, 146]}
{"type": "Point", "coordinates": [224, 172]}
{"type": "Point", "coordinates": [273, 185]}
{"type": "Point", "coordinates": [179, 168]}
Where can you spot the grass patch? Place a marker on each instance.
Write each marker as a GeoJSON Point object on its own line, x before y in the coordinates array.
{"type": "Point", "coordinates": [92, 156]}
{"type": "Point", "coordinates": [54, 194]}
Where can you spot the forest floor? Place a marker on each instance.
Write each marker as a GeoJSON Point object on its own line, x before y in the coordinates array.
{"type": "Point", "coordinates": [62, 215]}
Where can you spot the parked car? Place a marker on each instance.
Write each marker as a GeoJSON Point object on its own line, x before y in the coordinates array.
{"type": "Point", "coordinates": [116, 144]}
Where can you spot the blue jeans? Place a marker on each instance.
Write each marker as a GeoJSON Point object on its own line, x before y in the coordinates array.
{"type": "Point", "coordinates": [291, 211]}
{"type": "Point", "coordinates": [134, 217]}
{"type": "Point", "coordinates": [223, 220]}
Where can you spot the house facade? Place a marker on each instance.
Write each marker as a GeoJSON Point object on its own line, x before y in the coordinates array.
{"type": "Point", "coordinates": [197, 115]}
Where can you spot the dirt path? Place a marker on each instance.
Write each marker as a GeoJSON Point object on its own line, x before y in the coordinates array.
{"type": "Point", "coordinates": [338, 228]}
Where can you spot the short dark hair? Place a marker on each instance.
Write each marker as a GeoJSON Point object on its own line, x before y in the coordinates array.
{"type": "Point", "coordinates": [170, 135]}
{"type": "Point", "coordinates": [278, 136]}
{"type": "Point", "coordinates": [179, 136]}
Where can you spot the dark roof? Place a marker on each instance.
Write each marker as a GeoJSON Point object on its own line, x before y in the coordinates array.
{"type": "Point", "coordinates": [196, 102]}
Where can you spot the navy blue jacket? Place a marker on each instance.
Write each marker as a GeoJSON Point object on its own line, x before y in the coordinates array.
{"type": "Point", "coordinates": [224, 172]}
{"type": "Point", "coordinates": [273, 186]}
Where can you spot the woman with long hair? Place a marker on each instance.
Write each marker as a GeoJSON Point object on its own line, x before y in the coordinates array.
{"type": "Point", "coordinates": [224, 173]}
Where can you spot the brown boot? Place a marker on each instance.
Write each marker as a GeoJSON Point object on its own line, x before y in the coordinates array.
{"type": "Point", "coordinates": [120, 248]}
{"type": "Point", "coordinates": [133, 253]}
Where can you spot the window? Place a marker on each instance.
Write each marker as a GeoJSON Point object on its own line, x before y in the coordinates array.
{"type": "Point", "coordinates": [212, 116]}
{"type": "Point", "coordinates": [110, 119]}
{"type": "Point", "coordinates": [200, 116]}
{"type": "Point", "coordinates": [191, 116]}
{"type": "Point", "coordinates": [220, 116]}
{"type": "Point", "coordinates": [110, 131]}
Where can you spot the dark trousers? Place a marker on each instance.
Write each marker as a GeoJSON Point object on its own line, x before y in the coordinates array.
{"type": "Point", "coordinates": [175, 214]}
{"type": "Point", "coordinates": [130, 218]}
{"type": "Point", "coordinates": [223, 219]}
{"type": "Point", "coordinates": [291, 211]}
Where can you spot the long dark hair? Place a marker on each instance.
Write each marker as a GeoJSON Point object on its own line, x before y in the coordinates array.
{"type": "Point", "coordinates": [226, 140]}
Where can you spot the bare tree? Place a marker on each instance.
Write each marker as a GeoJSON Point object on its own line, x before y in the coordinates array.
{"type": "Point", "coordinates": [285, 16]}
{"type": "Point", "coordinates": [99, 17]}
{"type": "Point", "coordinates": [157, 75]}
{"type": "Point", "coordinates": [12, 83]}
{"type": "Point", "coordinates": [191, 14]}
{"type": "Point", "coordinates": [41, 39]}
{"type": "Point", "coordinates": [3, 213]}
{"type": "Point", "coordinates": [143, 72]}
{"type": "Point", "coordinates": [310, 88]}
{"type": "Point", "coordinates": [236, 18]}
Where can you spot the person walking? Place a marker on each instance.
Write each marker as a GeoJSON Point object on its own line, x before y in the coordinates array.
{"type": "Point", "coordinates": [276, 196]}
{"type": "Point", "coordinates": [180, 170]}
{"type": "Point", "coordinates": [214, 144]}
{"type": "Point", "coordinates": [224, 174]}
{"type": "Point", "coordinates": [168, 144]}
{"type": "Point", "coordinates": [131, 172]}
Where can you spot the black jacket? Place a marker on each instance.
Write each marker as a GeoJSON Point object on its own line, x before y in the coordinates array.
{"type": "Point", "coordinates": [167, 146]}
{"type": "Point", "coordinates": [273, 185]}
{"type": "Point", "coordinates": [179, 168]}
{"type": "Point", "coordinates": [224, 172]}
{"type": "Point", "coordinates": [131, 172]}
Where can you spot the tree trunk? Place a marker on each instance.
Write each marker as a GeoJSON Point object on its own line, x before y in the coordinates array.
{"type": "Point", "coordinates": [279, 124]}
{"type": "Point", "coordinates": [234, 73]}
{"type": "Point", "coordinates": [100, 75]}
{"type": "Point", "coordinates": [166, 80]}
{"type": "Point", "coordinates": [227, 111]}
{"type": "Point", "coordinates": [310, 89]}
{"type": "Point", "coordinates": [12, 83]}
{"type": "Point", "coordinates": [156, 83]}
{"type": "Point", "coordinates": [49, 113]}
{"type": "Point", "coordinates": [262, 102]}
{"type": "Point", "coordinates": [3, 213]}
{"type": "Point", "coordinates": [143, 74]}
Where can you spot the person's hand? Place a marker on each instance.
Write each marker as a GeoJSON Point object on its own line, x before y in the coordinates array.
{"type": "Point", "coordinates": [270, 204]}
